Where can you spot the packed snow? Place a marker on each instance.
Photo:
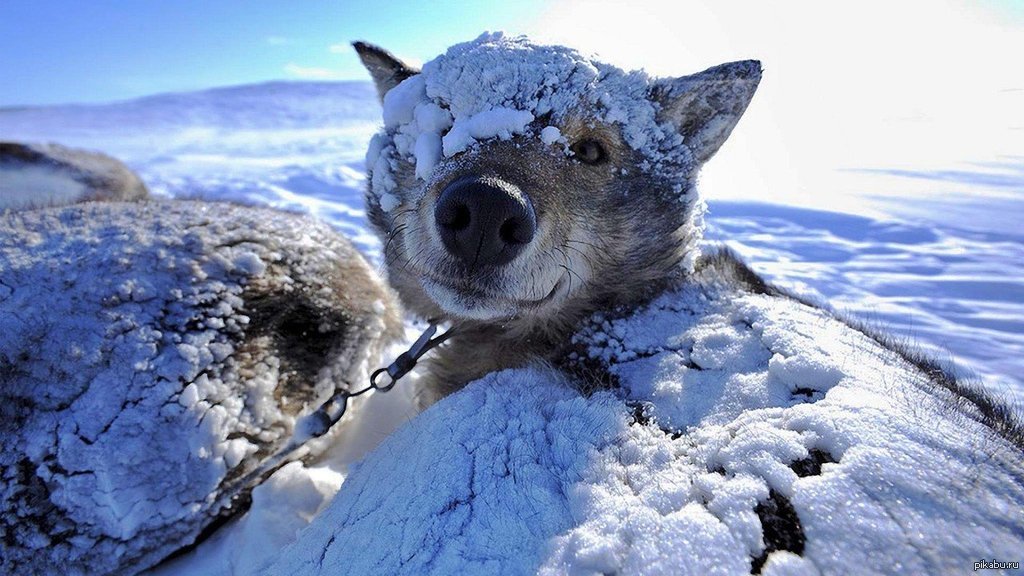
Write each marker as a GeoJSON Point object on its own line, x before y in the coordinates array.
{"type": "Point", "coordinates": [945, 285]}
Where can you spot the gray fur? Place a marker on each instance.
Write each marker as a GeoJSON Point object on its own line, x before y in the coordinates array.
{"type": "Point", "coordinates": [386, 70]}
{"type": "Point", "coordinates": [637, 238]}
{"type": "Point", "coordinates": [806, 447]}
{"type": "Point", "coordinates": [706, 106]}
{"type": "Point", "coordinates": [596, 230]}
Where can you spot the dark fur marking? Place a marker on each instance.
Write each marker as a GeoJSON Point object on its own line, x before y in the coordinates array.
{"type": "Point", "coordinates": [641, 416]}
{"type": "Point", "coordinates": [780, 528]}
{"type": "Point", "coordinates": [805, 392]}
{"type": "Point", "coordinates": [386, 69]}
{"type": "Point", "coordinates": [239, 505]}
{"type": "Point", "coordinates": [22, 153]}
{"type": "Point", "coordinates": [726, 265]}
{"type": "Point", "coordinates": [303, 337]}
{"type": "Point", "coordinates": [36, 511]}
{"type": "Point", "coordinates": [811, 466]}
{"type": "Point", "coordinates": [590, 374]}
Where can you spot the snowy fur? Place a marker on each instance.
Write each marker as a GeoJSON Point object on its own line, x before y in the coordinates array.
{"type": "Point", "coordinates": [706, 423]}
{"type": "Point", "coordinates": [610, 233]}
{"type": "Point", "coordinates": [948, 282]}
{"type": "Point", "coordinates": [27, 186]}
{"type": "Point", "coordinates": [151, 355]}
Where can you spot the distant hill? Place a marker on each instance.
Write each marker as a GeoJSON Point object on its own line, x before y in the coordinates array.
{"type": "Point", "coordinates": [271, 105]}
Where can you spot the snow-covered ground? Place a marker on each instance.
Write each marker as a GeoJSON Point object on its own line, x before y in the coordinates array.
{"type": "Point", "coordinates": [936, 256]}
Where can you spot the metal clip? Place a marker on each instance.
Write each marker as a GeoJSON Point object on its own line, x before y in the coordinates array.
{"type": "Point", "coordinates": [320, 421]}
{"type": "Point", "coordinates": [382, 379]}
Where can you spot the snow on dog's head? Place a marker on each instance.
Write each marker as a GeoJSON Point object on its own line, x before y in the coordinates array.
{"type": "Point", "coordinates": [513, 180]}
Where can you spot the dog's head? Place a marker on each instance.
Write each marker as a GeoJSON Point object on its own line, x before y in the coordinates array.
{"type": "Point", "coordinates": [516, 181]}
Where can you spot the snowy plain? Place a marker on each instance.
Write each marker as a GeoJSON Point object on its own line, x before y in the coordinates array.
{"type": "Point", "coordinates": [916, 257]}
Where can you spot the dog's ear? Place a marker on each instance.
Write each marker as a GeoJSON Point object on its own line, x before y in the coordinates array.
{"type": "Point", "coordinates": [704, 107]}
{"type": "Point", "coordinates": [386, 70]}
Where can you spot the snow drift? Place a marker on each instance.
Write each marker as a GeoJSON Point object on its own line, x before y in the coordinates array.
{"type": "Point", "coordinates": [735, 430]}
{"type": "Point", "coordinates": [152, 355]}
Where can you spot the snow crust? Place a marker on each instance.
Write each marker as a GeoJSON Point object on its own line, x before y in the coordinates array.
{"type": "Point", "coordinates": [550, 135]}
{"type": "Point", "coordinates": [495, 87]}
{"type": "Point", "coordinates": [722, 397]}
{"type": "Point", "coordinates": [289, 500]}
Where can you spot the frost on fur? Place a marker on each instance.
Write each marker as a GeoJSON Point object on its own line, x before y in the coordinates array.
{"type": "Point", "coordinates": [153, 354]}
{"type": "Point", "coordinates": [496, 87]}
{"type": "Point", "coordinates": [531, 185]}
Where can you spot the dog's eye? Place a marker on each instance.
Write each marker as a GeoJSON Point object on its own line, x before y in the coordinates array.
{"type": "Point", "coordinates": [589, 152]}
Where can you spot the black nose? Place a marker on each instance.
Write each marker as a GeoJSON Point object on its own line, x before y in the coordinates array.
{"type": "Point", "coordinates": [484, 221]}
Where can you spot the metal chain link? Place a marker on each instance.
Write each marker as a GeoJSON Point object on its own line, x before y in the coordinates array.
{"type": "Point", "coordinates": [318, 422]}
{"type": "Point", "coordinates": [331, 412]}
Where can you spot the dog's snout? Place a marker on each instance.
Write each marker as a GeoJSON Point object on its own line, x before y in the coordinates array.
{"type": "Point", "coordinates": [484, 221]}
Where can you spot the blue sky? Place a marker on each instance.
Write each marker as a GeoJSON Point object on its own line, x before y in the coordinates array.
{"type": "Point", "coordinates": [57, 51]}
{"type": "Point", "coordinates": [98, 50]}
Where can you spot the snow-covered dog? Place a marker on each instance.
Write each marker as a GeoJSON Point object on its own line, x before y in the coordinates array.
{"type": "Point", "coordinates": [544, 204]}
{"type": "Point", "coordinates": [520, 189]}
{"type": "Point", "coordinates": [156, 362]}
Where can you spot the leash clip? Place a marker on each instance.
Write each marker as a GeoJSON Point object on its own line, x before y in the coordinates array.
{"type": "Point", "coordinates": [406, 361]}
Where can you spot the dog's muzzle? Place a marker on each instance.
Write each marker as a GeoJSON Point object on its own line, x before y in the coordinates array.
{"type": "Point", "coordinates": [484, 222]}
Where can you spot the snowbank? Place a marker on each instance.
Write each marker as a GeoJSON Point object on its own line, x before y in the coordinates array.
{"type": "Point", "coordinates": [39, 175]}
{"type": "Point", "coordinates": [151, 356]}
{"type": "Point", "coordinates": [743, 431]}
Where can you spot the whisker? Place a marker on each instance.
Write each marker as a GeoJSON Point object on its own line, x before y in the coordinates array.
{"type": "Point", "coordinates": [568, 268]}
